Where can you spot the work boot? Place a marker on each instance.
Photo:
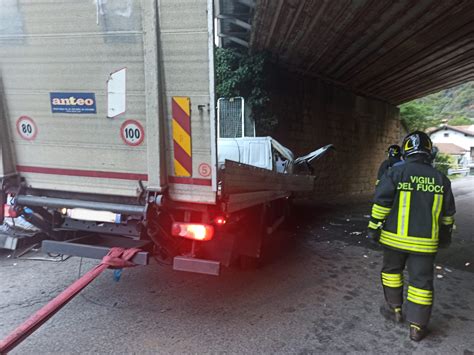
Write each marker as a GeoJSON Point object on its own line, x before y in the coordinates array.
{"type": "Point", "coordinates": [417, 332]}
{"type": "Point", "coordinates": [398, 314]}
{"type": "Point", "coordinates": [392, 313]}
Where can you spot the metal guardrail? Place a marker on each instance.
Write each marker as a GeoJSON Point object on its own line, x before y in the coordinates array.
{"type": "Point", "coordinates": [459, 171]}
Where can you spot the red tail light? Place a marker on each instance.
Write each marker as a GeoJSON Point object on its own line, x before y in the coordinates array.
{"type": "Point", "coordinates": [220, 221]}
{"type": "Point", "coordinates": [192, 231]}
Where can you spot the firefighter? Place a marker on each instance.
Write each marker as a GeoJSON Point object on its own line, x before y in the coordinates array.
{"type": "Point", "coordinates": [393, 156]}
{"type": "Point", "coordinates": [412, 216]}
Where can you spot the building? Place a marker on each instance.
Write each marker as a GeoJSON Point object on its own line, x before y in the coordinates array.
{"type": "Point", "coordinates": [457, 141]}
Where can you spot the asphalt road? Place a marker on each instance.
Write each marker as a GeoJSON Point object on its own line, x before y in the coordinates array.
{"type": "Point", "coordinates": [319, 294]}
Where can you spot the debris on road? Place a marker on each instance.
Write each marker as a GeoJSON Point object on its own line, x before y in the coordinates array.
{"type": "Point", "coordinates": [438, 267]}
{"type": "Point", "coordinates": [439, 276]}
{"type": "Point", "coordinates": [467, 264]}
{"type": "Point", "coordinates": [355, 233]}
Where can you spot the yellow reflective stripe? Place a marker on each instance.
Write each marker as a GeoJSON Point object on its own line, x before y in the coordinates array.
{"type": "Point", "coordinates": [392, 280]}
{"type": "Point", "coordinates": [401, 242]}
{"type": "Point", "coordinates": [417, 300]}
{"type": "Point", "coordinates": [381, 208]}
{"type": "Point", "coordinates": [377, 182]}
{"type": "Point", "coordinates": [377, 215]}
{"type": "Point", "coordinates": [403, 212]}
{"type": "Point", "coordinates": [447, 220]}
{"type": "Point", "coordinates": [435, 211]}
{"type": "Point", "coordinates": [380, 212]}
{"type": "Point", "coordinates": [428, 295]}
{"type": "Point", "coordinates": [373, 225]}
{"type": "Point", "coordinates": [421, 290]}
{"type": "Point", "coordinates": [408, 247]}
{"type": "Point", "coordinates": [392, 284]}
{"type": "Point", "coordinates": [409, 239]}
{"type": "Point", "coordinates": [392, 276]}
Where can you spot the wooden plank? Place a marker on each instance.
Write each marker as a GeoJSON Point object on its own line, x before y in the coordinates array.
{"type": "Point", "coordinates": [240, 178]}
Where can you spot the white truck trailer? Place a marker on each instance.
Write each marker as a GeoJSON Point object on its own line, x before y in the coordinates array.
{"type": "Point", "coordinates": [108, 134]}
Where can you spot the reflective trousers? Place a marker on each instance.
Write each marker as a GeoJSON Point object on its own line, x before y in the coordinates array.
{"type": "Point", "coordinates": [420, 286]}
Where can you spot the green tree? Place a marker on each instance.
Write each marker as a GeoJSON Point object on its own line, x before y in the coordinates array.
{"type": "Point", "coordinates": [241, 74]}
{"type": "Point", "coordinates": [454, 105]}
{"type": "Point", "coordinates": [417, 116]}
{"type": "Point", "coordinates": [460, 121]}
{"type": "Point", "coordinates": [443, 162]}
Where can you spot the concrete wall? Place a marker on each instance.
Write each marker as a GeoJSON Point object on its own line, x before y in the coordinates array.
{"type": "Point", "coordinates": [313, 113]}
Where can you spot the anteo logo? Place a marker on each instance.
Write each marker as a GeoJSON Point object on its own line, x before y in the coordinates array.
{"type": "Point", "coordinates": [72, 102]}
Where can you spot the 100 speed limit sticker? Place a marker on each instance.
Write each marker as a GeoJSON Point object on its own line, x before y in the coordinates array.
{"type": "Point", "coordinates": [26, 128]}
{"type": "Point", "coordinates": [132, 132]}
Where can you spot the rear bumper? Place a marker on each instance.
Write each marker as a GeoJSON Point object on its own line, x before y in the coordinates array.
{"type": "Point", "coordinates": [41, 201]}
{"type": "Point", "coordinates": [200, 266]}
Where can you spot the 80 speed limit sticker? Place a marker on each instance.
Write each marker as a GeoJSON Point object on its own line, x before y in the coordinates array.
{"type": "Point", "coordinates": [26, 128]}
{"type": "Point", "coordinates": [132, 132]}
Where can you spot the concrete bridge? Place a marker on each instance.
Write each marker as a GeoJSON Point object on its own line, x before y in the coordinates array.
{"type": "Point", "coordinates": [343, 66]}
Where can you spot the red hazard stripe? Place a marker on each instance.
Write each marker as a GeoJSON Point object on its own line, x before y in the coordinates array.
{"type": "Point", "coordinates": [184, 159]}
{"type": "Point", "coordinates": [84, 173]}
{"type": "Point", "coordinates": [189, 181]}
{"type": "Point", "coordinates": [181, 117]}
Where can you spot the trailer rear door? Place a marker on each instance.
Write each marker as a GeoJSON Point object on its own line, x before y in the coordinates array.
{"type": "Point", "coordinates": [93, 91]}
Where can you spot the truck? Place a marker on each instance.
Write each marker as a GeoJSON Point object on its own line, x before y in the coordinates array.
{"type": "Point", "coordinates": [109, 136]}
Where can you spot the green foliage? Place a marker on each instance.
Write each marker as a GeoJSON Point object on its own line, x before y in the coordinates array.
{"type": "Point", "coordinates": [443, 162]}
{"type": "Point", "coordinates": [241, 74]}
{"type": "Point", "coordinates": [460, 121]}
{"type": "Point", "coordinates": [455, 106]}
{"type": "Point", "coordinates": [417, 116]}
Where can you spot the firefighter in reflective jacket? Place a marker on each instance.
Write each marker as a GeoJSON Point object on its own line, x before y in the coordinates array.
{"type": "Point", "coordinates": [394, 154]}
{"type": "Point", "coordinates": [412, 216]}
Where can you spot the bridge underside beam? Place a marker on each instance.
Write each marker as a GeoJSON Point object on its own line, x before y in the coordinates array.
{"type": "Point", "coordinates": [391, 50]}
